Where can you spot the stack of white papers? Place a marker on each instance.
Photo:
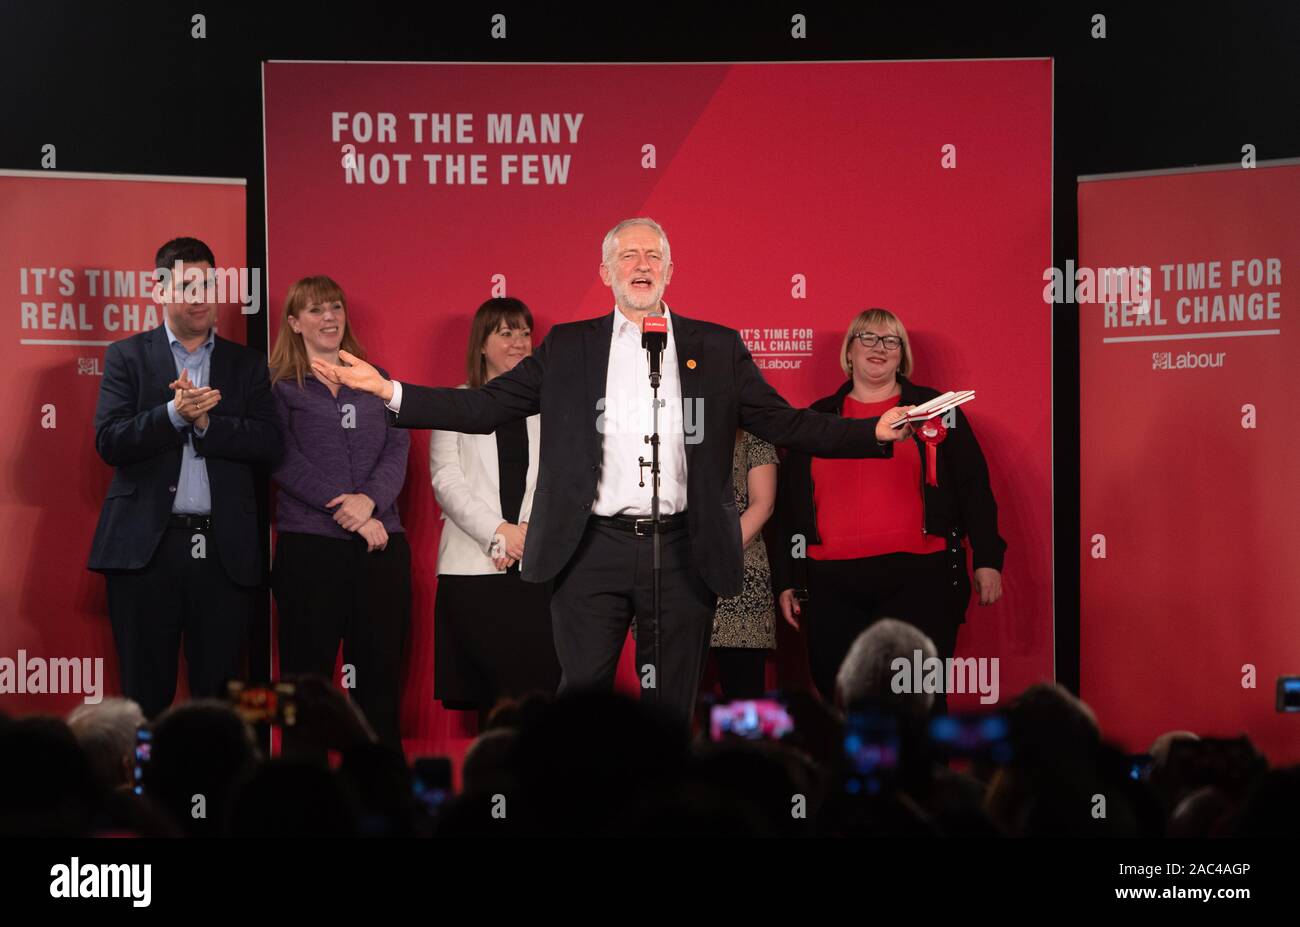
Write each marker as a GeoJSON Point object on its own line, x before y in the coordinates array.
{"type": "Point", "coordinates": [936, 406]}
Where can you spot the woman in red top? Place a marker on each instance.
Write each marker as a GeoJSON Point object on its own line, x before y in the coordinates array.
{"type": "Point", "coordinates": [883, 537]}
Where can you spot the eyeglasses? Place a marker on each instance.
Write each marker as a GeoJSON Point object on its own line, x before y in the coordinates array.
{"type": "Point", "coordinates": [869, 340]}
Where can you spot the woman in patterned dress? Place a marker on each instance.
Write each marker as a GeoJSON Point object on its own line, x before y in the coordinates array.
{"type": "Point", "coordinates": [743, 625]}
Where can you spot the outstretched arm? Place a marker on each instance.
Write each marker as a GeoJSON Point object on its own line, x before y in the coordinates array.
{"type": "Point", "coordinates": [763, 412]}
{"type": "Point", "coordinates": [512, 395]}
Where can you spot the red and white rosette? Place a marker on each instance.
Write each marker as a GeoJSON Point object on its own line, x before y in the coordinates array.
{"type": "Point", "coordinates": [931, 432]}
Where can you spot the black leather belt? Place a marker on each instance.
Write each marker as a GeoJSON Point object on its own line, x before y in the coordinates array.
{"type": "Point", "coordinates": [201, 522]}
{"type": "Point", "coordinates": [642, 525]}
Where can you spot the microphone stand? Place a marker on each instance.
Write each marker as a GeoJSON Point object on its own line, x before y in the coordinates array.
{"type": "Point", "coordinates": [655, 566]}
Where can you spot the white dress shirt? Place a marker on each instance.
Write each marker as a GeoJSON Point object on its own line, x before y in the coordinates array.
{"type": "Point", "coordinates": [627, 419]}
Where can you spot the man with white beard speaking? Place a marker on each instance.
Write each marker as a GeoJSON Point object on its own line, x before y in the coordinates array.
{"type": "Point", "coordinates": [591, 527]}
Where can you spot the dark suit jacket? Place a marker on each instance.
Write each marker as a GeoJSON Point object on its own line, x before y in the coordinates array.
{"type": "Point", "coordinates": [564, 378]}
{"type": "Point", "coordinates": [134, 435]}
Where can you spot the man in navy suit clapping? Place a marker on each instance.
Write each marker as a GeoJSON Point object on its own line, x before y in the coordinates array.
{"type": "Point", "coordinates": [183, 417]}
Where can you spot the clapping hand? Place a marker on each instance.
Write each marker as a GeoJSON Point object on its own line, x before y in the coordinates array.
{"type": "Point", "coordinates": [192, 402]}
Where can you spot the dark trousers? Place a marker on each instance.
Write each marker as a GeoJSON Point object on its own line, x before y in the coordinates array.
{"type": "Point", "coordinates": [607, 582]}
{"type": "Point", "coordinates": [492, 639]}
{"type": "Point", "coordinates": [741, 671]}
{"type": "Point", "coordinates": [845, 597]}
{"type": "Point", "coordinates": [331, 590]}
{"type": "Point", "coordinates": [179, 597]}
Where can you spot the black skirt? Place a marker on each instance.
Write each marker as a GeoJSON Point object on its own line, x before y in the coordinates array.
{"type": "Point", "coordinates": [492, 639]}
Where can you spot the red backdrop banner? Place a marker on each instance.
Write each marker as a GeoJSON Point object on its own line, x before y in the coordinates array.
{"type": "Point", "coordinates": [794, 195]}
{"type": "Point", "coordinates": [1189, 495]}
{"type": "Point", "coordinates": [76, 261]}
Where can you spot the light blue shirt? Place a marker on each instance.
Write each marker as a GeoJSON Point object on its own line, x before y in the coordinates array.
{"type": "Point", "coordinates": [193, 494]}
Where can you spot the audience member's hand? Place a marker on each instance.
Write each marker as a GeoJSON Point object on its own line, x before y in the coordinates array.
{"type": "Point", "coordinates": [375, 534]}
{"type": "Point", "coordinates": [356, 374]}
{"type": "Point", "coordinates": [327, 719]}
{"type": "Point", "coordinates": [355, 509]}
{"type": "Point", "coordinates": [193, 403]}
{"type": "Point", "coordinates": [885, 431]}
{"type": "Point", "coordinates": [790, 608]}
{"type": "Point", "coordinates": [988, 583]}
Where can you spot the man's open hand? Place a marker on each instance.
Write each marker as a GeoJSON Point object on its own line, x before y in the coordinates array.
{"type": "Point", "coordinates": [356, 374]}
{"type": "Point", "coordinates": [884, 427]}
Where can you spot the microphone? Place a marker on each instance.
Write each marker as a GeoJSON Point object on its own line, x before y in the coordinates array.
{"type": "Point", "coordinates": [654, 338]}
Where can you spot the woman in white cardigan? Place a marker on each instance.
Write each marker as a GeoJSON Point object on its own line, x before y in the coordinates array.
{"type": "Point", "coordinates": [492, 630]}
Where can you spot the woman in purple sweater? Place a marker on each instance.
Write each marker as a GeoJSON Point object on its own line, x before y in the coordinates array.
{"type": "Point", "coordinates": [342, 567]}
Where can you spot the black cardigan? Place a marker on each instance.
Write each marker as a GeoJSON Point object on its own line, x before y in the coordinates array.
{"type": "Point", "coordinates": [962, 505]}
